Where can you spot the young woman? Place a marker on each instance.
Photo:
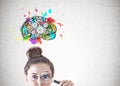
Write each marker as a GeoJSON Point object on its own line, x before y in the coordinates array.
{"type": "Point", "coordinates": [39, 70]}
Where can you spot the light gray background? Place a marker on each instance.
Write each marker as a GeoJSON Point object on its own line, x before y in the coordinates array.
{"type": "Point", "coordinates": [88, 54]}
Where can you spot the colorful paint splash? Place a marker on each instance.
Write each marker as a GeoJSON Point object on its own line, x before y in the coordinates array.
{"type": "Point", "coordinates": [37, 28]}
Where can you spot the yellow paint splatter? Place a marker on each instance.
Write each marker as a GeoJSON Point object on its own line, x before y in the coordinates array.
{"type": "Point", "coordinates": [17, 39]}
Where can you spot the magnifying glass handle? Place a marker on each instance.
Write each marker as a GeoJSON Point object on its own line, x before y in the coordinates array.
{"type": "Point", "coordinates": [56, 81]}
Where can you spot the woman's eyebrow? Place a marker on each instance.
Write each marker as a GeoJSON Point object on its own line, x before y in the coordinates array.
{"type": "Point", "coordinates": [34, 73]}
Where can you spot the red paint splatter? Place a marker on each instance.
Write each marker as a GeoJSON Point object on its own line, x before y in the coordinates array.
{"type": "Point", "coordinates": [60, 24]}
{"type": "Point", "coordinates": [50, 20]}
{"type": "Point", "coordinates": [39, 40]}
{"type": "Point", "coordinates": [61, 35]}
{"type": "Point", "coordinates": [28, 12]}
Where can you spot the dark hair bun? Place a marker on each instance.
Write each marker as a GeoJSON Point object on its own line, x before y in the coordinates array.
{"type": "Point", "coordinates": [34, 52]}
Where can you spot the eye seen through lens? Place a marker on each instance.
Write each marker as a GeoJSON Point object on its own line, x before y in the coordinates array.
{"type": "Point", "coordinates": [45, 76]}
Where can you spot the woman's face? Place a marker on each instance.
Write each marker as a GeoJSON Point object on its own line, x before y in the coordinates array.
{"type": "Point", "coordinates": [39, 75]}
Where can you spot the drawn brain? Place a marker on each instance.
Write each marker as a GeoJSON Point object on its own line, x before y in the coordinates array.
{"type": "Point", "coordinates": [38, 27]}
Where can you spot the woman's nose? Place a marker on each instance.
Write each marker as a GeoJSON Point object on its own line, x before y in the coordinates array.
{"type": "Point", "coordinates": [38, 82]}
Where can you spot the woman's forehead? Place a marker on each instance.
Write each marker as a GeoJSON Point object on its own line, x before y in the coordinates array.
{"type": "Point", "coordinates": [39, 68]}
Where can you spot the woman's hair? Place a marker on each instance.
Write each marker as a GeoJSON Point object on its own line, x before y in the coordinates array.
{"type": "Point", "coordinates": [35, 56]}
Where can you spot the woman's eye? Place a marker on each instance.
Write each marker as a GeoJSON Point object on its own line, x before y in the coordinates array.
{"type": "Point", "coordinates": [45, 77]}
{"type": "Point", "coordinates": [34, 77]}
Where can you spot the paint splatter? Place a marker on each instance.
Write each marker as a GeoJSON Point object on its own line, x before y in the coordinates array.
{"type": "Point", "coordinates": [61, 35]}
{"type": "Point", "coordinates": [49, 11]}
{"type": "Point", "coordinates": [50, 20]}
{"type": "Point", "coordinates": [60, 24]}
{"type": "Point", "coordinates": [36, 10]}
{"type": "Point", "coordinates": [17, 38]}
{"type": "Point", "coordinates": [46, 13]}
{"type": "Point", "coordinates": [28, 12]}
{"type": "Point", "coordinates": [24, 15]}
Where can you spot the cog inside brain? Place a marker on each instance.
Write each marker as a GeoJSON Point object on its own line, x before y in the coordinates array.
{"type": "Point", "coordinates": [38, 27]}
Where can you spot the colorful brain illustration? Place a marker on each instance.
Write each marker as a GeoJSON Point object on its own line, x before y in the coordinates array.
{"type": "Point", "coordinates": [37, 27]}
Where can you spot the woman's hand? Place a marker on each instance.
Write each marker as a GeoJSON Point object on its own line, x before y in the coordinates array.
{"type": "Point", "coordinates": [66, 83]}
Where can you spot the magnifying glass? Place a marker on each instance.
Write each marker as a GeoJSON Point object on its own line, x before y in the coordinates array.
{"type": "Point", "coordinates": [45, 76]}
